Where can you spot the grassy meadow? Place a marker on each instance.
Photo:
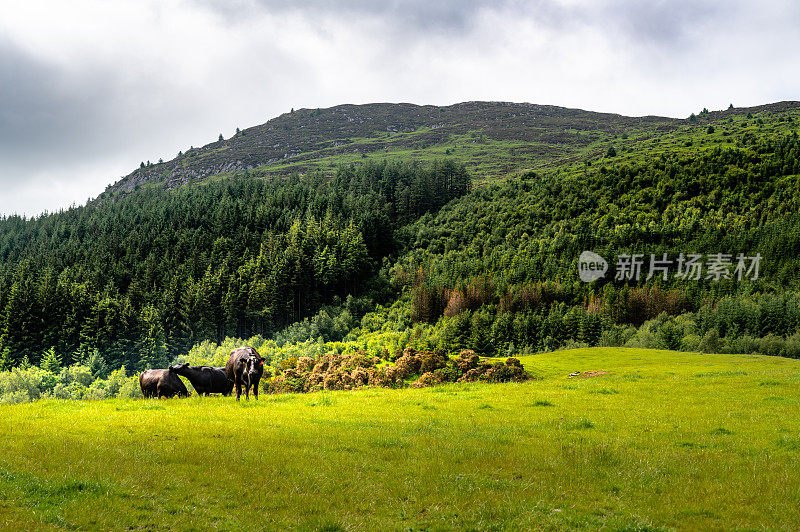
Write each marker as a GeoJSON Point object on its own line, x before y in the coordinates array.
{"type": "Point", "coordinates": [663, 440]}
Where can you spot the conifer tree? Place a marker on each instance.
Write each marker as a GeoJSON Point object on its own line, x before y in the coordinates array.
{"type": "Point", "coordinates": [51, 361]}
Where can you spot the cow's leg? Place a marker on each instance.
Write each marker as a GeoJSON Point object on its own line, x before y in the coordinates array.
{"type": "Point", "coordinates": [247, 391]}
{"type": "Point", "coordinates": [238, 390]}
{"type": "Point", "coordinates": [255, 391]}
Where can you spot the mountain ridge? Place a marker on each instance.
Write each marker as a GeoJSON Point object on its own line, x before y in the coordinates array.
{"type": "Point", "coordinates": [289, 142]}
{"type": "Point", "coordinates": [306, 140]}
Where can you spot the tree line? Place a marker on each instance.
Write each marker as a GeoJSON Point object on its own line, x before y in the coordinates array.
{"type": "Point", "coordinates": [142, 277]}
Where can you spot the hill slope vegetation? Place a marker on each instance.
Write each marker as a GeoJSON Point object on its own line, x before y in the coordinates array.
{"type": "Point", "coordinates": [378, 254]}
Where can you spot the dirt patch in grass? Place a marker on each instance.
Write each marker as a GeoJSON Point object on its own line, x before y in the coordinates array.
{"type": "Point", "coordinates": [588, 374]}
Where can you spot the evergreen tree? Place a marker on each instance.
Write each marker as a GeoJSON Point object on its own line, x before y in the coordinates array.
{"type": "Point", "coordinates": [51, 361]}
{"type": "Point", "coordinates": [97, 365]}
{"type": "Point", "coordinates": [153, 345]}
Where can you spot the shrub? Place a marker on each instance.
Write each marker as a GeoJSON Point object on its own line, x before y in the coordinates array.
{"type": "Point", "coordinates": [425, 380]}
{"type": "Point", "coordinates": [475, 373]}
{"type": "Point", "coordinates": [431, 361]}
{"type": "Point", "coordinates": [467, 360]}
{"type": "Point", "coordinates": [511, 370]}
{"type": "Point", "coordinates": [333, 382]}
{"type": "Point", "coordinates": [385, 378]}
{"type": "Point", "coordinates": [290, 381]}
{"type": "Point", "coordinates": [97, 390]}
{"type": "Point", "coordinates": [130, 388]}
{"type": "Point", "coordinates": [408, 364]}
{"type": "Point", "coordinates": [710, 342]}
{"type": "Point", "coordinates": [360, 377]}
{"type": "Point", "coordinates": [771, 345]}
{"type": "Point", "coordinates": [791, 347]}
{"type": "Point", "coordinates": [305, 364]}
{"type": "Point", "coordinates": [77, 373]}
{"type": "Point", "coordinates": [73, 390]}
{"type": "Point", "coordinates": [448, 374]}
{"type": "Point", "coordinates": [16, 397]}
{"type": "Point", "coordinates": [361, 360]}
{"type": "Point", "coordinates": [394, 356]}
{"type": "Point", "coordinates": [691, 342]}
{"type": "Point", "coordinates": [513, 363]}
{"type": "Point", "coordinates": [743, 344]}
{"type": "Point", "coordinates": [115, 381]}
{"type": "Point", "coordinates": [23, 385]}
{"type": "Point", "coordinates": [287, 363]}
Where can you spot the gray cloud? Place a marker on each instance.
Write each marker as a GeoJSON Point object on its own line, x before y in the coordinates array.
{"type": "Point", "coordinates": [36, 110]}
{"type": "Point", "coordinates": [90, 88]}
{"type": "Point", "coordinates": [417, 16]}
{"type": "Point", "coordinates": [660, 22]}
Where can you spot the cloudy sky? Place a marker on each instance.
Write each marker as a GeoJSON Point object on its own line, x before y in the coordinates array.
{"type": "Point", "coordinates": [89, 88]}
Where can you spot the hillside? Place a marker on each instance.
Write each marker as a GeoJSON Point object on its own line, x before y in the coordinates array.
{"type": "Point", "coordinates": [402, 248]}
{"type": "Point", "coordinates": [490, 138]}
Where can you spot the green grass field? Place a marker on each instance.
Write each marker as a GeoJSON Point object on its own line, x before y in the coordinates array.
{"type": "Point", "coordinates": [665, 440]}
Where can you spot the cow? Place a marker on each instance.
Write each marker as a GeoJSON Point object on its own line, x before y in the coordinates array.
{"type": "Point", "coordinates": [205, 379]}
{"type": "Point", "coordinates": [245, 366]}
{"type": "Point", "coordinates": [162, 383]}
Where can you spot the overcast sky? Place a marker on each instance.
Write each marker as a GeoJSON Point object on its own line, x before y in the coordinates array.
{"type": "Point", "coordinates": [89, 88]}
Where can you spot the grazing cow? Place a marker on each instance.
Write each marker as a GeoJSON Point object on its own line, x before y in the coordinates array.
{"type": "Point", "coordinates": [245, 366]}
{"type": "Point", "coordinates": [162, 383]}
{"type": "Point", "coordinates": [205, 379]}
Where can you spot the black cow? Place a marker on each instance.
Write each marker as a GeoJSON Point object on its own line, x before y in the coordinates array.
{"type": "Point", "coordinates": [245, 366]}
{"type": "Point", "coordinates": [205, 379]}
{"type": "Point", "coordinates": [162, 383]}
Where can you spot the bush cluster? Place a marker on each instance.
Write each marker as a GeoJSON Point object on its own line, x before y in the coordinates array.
{"type": "Point", "coordinates": [25, 384]}
{"type": "Point", "coordinates": [415, 368]}
{"type": "Point", "coordinates": [328, 372]}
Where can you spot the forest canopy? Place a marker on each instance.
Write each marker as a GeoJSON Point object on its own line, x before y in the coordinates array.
{"type": "Point", "coordinates": [143, 277]}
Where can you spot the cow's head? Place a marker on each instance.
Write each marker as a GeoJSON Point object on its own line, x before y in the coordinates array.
{"type": "Point", "coordinates": [178, 367]}
{"type": "Point", "coordinates": [254, 365]}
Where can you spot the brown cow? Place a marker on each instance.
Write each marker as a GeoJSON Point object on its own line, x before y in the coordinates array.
{"type": "Point", "coordinates": [245, 366]}
{"type": "Point", "coordinates": [162, 383]}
